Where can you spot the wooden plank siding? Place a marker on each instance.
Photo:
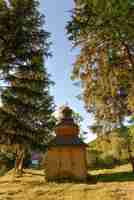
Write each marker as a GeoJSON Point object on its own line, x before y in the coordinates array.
{"type": "Point", "coordinates": [66, 162]}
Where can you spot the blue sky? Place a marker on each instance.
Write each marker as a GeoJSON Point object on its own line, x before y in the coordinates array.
{"type": "Point", "coordinates": [60, 65]}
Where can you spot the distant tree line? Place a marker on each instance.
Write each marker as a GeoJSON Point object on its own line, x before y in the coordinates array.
{"type": "Point", "coordinates": [108, 151]}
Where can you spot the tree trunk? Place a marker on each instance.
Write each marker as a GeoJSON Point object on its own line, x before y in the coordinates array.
{"type": "Point", "coordinates": [20, 153]}
{"type": "Point", "coordinates": [131, 159]}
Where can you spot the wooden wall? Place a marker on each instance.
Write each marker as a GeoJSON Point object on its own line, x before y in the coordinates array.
{"type": "Point", "coordinates": [66, 162]}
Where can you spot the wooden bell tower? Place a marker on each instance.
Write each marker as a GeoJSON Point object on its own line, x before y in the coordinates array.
{"type": "Point", "coordinates": [66, 156]}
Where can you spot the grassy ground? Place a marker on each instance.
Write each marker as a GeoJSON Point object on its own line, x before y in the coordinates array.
{"type": "Point", "coordinates": [113, 184]}
{"type": "Point", "coordinates": [118, 174]}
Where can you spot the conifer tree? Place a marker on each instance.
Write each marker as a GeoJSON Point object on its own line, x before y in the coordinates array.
{"type": "Point", "coordinates": [27, 107]}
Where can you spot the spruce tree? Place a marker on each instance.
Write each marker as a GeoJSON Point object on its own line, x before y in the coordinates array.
{"type": "Point", "coordinates": [27, 107]}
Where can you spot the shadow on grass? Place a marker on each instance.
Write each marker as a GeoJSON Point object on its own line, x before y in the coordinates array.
{"type": "Point", "coordinates": [115, 177]}
{"type": "Point", "coordinates": [107, 177]}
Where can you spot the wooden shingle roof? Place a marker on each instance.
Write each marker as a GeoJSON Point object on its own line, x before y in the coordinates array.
{"type": "Point", "coordinates": [66, 141]}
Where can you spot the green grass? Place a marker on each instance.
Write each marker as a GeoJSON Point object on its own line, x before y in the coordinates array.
{"type": "Point", "coordinates": [115, 177]}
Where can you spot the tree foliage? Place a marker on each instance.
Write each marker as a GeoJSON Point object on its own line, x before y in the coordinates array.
{"type": "Point", "coordinates": [104, 32]}
{"type": "Point", "coordinates": [25, 114]}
